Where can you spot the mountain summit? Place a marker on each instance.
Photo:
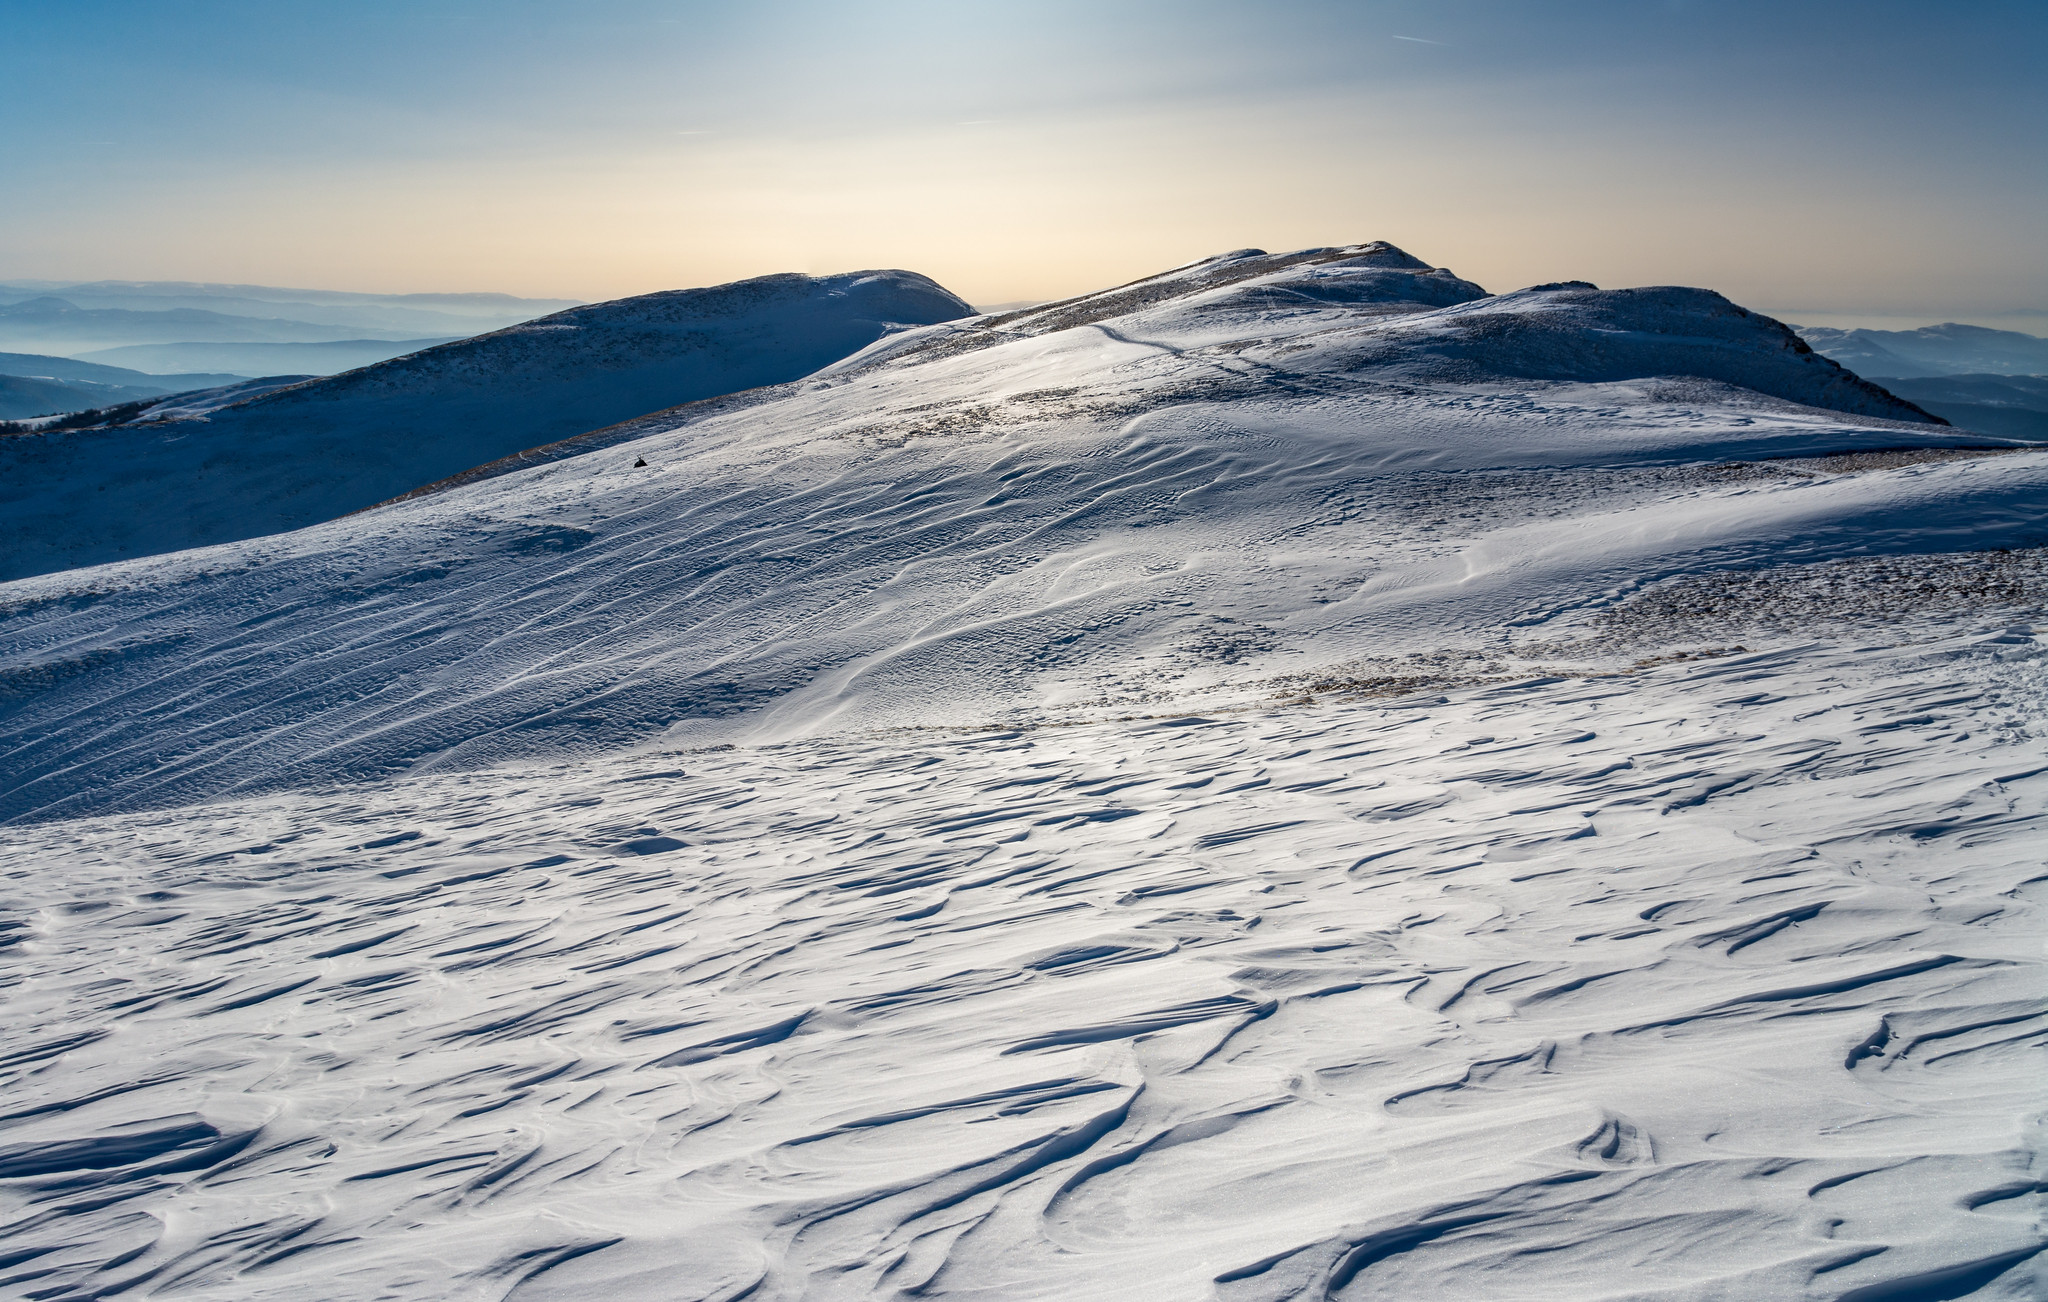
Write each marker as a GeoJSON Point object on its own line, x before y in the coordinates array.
{"type": "Point", "coordinates": [1402, 318]}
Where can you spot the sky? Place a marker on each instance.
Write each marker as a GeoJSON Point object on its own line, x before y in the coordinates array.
{"type": "Point", "coordinates": [1840, 162]}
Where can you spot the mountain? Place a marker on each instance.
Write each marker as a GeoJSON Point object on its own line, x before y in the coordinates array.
{"type": "Point", "coordinates": [25, 396]}
{"type": "Point", "coordinates": [1092, 484]}
{"type": "Point", "coordinates": [399, 315]}
{"type": "Point", "coordinates": [1291, 778]}
{"type": "Point", "coordinates": [32, 385]}
{"type": "Point", "coordinates": [47, 322]}
{"type": "Point", "coordinates": [66, 368]}
{"type": "Point", "coordinates": [1932, 350]}
{"type": "Point", "coordinates": [266, 359]}
{"type": "Point", "coordinates": [2014, 406]}
{"type": "Point", "coordinates": [324, 449]}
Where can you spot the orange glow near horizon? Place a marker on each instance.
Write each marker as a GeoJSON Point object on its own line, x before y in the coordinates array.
{"type": "Point", "coordinates": [1030, 152]}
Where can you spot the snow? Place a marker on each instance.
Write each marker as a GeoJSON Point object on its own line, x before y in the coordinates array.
{"type": "Point", "coordinates": [1721, 979]}
{"type": "Point", "coordinates": [204, 402]}
{"type": "Point", "coordinates": [1291, 778]}
{"type": "Point", "coordinates": [321, 450]}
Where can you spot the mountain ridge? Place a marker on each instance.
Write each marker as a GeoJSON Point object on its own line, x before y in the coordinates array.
{"type": "Point", "coordinates": [1947, 349]}
{"type": "Point", "coordinates": [411, 316]}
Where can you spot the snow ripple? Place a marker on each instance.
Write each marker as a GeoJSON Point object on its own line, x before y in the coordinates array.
{"type": "Point", "coordinates": [1722, 979]}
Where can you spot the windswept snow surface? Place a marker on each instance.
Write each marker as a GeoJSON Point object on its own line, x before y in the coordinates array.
{"type": "Point", "coordinates": [1720, 981]}
{"type": "Point", "coordinates": [1289, 779]}
{"type": "Point", "coordinates": [332, 446]}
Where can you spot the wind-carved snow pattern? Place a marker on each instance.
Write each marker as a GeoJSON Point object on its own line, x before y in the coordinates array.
{"type": "Point", "coordinates": [1288, 779]}
{"type": "Point", "coordinates": [1720, 980]}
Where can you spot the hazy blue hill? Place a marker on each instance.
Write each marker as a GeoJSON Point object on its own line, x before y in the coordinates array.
{"type": "Point", "coordinates": [411, 315]}
{"type": "Point", "coordinates": [25, 396]}
{"type": "Point", "coordinates": [2013, 406]}
{"type": "Point", "coordinates": [246, 359]}
{"type": "Point", "coordinates": [1949, 349]}
{"type": "Point", "coordinates": [35, 385]}
{"type": "Point", "coordinates": [41, 366]}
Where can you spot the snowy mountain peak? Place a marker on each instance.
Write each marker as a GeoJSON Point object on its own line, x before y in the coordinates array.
{"type": "Point", "coordinates": [1375, 310]}
{"type": "Point", "coordinates": [1229, 290]}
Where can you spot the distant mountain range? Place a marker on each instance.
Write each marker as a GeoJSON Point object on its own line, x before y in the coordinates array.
{"type": "Point", "coordinates": [172, 326]}
{"type": "Point", "coordinates": [112, 313]}
{"type": "Point", "coordinates": [36, 385]}
{"type": "Point", "coordinates": [1992, 381]}
{"type": "Point", "coordinates": [1949, 349]}
{"type": "Point", "coordinates": [327, 358]}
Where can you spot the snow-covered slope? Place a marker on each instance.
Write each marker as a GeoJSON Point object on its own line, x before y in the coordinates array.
{"type": "Point", "coordinates": [24, 396]}
{"type": "Point", "coordinates": [1251, 477]}
{"type": "Point", "coordinates": [204, 402]}
{"type": "Point", "coordinates": [337, 445]}
{"type": "Point", "coordinates": [1566, 331]}
{"type": "Point", "coordinates": [1289, 779]}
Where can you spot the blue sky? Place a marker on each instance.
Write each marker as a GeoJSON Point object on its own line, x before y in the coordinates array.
{"type": "Point", "coordinates": [1859, 159]}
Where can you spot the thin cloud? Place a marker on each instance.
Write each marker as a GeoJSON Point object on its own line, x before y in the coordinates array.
{"type": "Point", "coordinates": [1420, 41]}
